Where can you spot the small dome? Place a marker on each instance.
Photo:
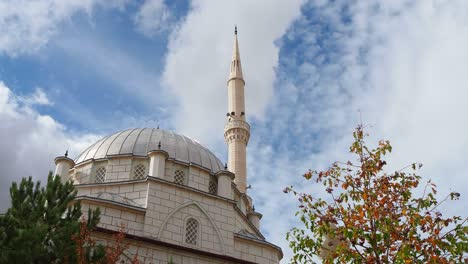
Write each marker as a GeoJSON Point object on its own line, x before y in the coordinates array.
{"type": "Point", "coordinates": [139, 141]}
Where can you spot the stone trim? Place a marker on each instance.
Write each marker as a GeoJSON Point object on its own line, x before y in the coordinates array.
{"type": "Point", "coordinates": [117, 204]}
{"type": "Point", "coordinates": [203, 211]}
{"type": "Point", "coordinates": [83, 163]}
{"type": "Point", "coordinates": [225, 172]}
{"type": "Point", "coordinates": [236, 78]}
{"type": "Point", "coordinates": [234, 187]}
{"type": "Point", "coordinates": [259, 215]}
{"type": "Point", "coordinates": [248, 221]}
{"type": "Point", "coordinates": [157, 180]}
{"type": "Point", "coordinates": [110, 183]}
{"type": "Point", "coordinates": [145, 156]}
{"type": "Point", "coordinates": [191, 164]}
{"type": "Point", "coordinates": [262, 242]}
{"type": "Point", "coordinates": [172, 246]}
{"type": "Point", "coordinates": [63, 158]}
{"type": "Point", "coordinates": [156, 151]}
{"type": "Point", "coordinates": [191, 189]}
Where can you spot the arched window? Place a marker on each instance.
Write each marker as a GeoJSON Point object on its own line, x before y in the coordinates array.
{"type": "Point", "coordinates": [139, 171]}
{"type": "Point", "coordinates": [100, 175]}
{"type": "Point", "coordinates": [191, 231]}
{"type": "Point", "coordinates": [213, 185]}
{"type": "Point", "coordinates": [179, 177]}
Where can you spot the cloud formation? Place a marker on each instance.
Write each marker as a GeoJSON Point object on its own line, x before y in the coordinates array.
{"type": "Point", "coordinates": [199, 52]}
{"type": "Point", "coordinates": [398, 65]}
{"type": "Point", "coordinates": [30, 141]}
{"type": "Point", "coordinates": [153, 17]}
{"type": "Point", "coordinates": [37, 98]}
{"type": "Point", "coordinates": [26, 26]}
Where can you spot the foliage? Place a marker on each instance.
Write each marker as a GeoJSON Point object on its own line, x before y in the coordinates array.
{"type": "Point", "coordinates": [40, 223]}
{"type": "Point", "coordinates": [88, 251]}
{"type": "Point", "coordinates": [371, 216]}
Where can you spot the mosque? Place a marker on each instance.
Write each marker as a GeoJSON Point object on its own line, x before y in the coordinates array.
{"type": "Point", "coordinates": [175, 198]}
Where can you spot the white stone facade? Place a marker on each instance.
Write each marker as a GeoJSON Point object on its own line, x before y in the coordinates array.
{"type": "Point", "coordinates": [156, 210]}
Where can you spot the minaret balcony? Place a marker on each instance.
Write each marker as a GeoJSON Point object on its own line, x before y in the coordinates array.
{"type": "Point", "coordinates": [237, 131]}
{"type": "Point", "coordinates": [236, 124]}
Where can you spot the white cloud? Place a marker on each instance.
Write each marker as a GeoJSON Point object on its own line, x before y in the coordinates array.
{"type": "Point", "coordinates": [30, 141]}
{"type": "Point", "coordinates": [199, 54]}
{"type": "Point", "coordinates": [116, 65]}
{"type": "Point", "coordinates": [153, 17]}
{"type": "Point", "coordinates": [37, 98]}
{"type": "Point", "coordinates": [401, 63]}
{"type": "Point", "coordinates": [26, 26]}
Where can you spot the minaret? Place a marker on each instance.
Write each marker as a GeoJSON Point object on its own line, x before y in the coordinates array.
{"type": "Point", "coordinates": [237, 130]}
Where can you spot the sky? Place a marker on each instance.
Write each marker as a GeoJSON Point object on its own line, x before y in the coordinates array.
{"type": "Point", "coordinates": [74, 71]}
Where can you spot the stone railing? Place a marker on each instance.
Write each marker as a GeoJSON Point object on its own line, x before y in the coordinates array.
{"type": "Point", "coordinates": [237, 124]}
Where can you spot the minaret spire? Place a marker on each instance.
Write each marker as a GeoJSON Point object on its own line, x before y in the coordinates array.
{"type": "Point", "coordinates": [237, 130]}
{"type": "Point", "coordinates": [236, 69]}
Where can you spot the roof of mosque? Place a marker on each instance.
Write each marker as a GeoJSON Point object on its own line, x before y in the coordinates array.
{"type": "Point", "coordinates": [140, 141]}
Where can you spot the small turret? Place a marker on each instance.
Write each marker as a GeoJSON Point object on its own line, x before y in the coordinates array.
{"type": "Point", "coordinates": [63, 164]}
{"type": "Point", "coordinates": [255, 217]}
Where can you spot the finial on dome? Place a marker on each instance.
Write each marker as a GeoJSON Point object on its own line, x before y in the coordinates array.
{"type": "Point", "coordinates": [225, 166]}
{"type": "Point", "coordinates": [66, 153]}
{"type": "Point", "coordinates": [235, 29]}
{"type": "Point", "coordinates": [253, 208]}
{"type": "Point", "coordinates": [159, 145]}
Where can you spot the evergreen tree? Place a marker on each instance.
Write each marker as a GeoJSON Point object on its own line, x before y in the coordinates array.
{"type": "Point", "coordinates": [41, 222]}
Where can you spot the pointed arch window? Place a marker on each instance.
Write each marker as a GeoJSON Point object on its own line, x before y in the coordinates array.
{"type": "Point", "coordinates": [191, 231]}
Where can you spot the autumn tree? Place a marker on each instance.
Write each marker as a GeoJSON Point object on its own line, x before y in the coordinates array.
{"type": "Point", "coordinates": [368, 215]}
{"type": "Point", "coordinates": [89, 251]}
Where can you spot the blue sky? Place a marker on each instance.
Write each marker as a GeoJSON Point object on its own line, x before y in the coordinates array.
{"type": "Point", "coordinates": [74, 71]}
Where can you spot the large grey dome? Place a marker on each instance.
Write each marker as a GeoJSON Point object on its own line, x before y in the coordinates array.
{"type": "Point", "coordinates": [140, 141]}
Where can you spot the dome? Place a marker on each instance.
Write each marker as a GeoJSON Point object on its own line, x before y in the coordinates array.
{"type": "Point", "coordinates": [139, 141]}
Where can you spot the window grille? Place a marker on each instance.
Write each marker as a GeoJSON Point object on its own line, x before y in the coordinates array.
{"type": "Point", "coordinates": [213, 185]}
{"type": "Point", "coordinates": [191, 231]}
{"type": "Point", "coordinates": [179, 177]}
{"type": "Point", "coordinates": [100, 175]}
{"type": "Point", "coordinates": [139, 171]}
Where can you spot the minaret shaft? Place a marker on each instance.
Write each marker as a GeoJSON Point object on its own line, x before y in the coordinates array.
{"type": "Point", "coordinates": [237, 130]}
{"type": "Point", "coordinates": [236, 98]}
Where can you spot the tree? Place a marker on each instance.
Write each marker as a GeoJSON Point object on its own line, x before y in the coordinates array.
{"type": "Point", "coordinates": [89, 251]}
{"type": "Point", "coordinates": [40, 224]}
{"type": "Point", "coordinates": [371, 216]}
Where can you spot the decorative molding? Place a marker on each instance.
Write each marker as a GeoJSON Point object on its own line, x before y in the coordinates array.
{"type": "Point", "coordinates": [180, 207]}
{"type": "Point", "coordinates": [248, 221]}
{"type": "Point", "coordinates": [106, 201]}
{"type": "Point", "coordinates": [191, 189]}
{"type": "Point", "coordinates": [176, 247]}
{"type": "Point", "coordinates": [236, 235]}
